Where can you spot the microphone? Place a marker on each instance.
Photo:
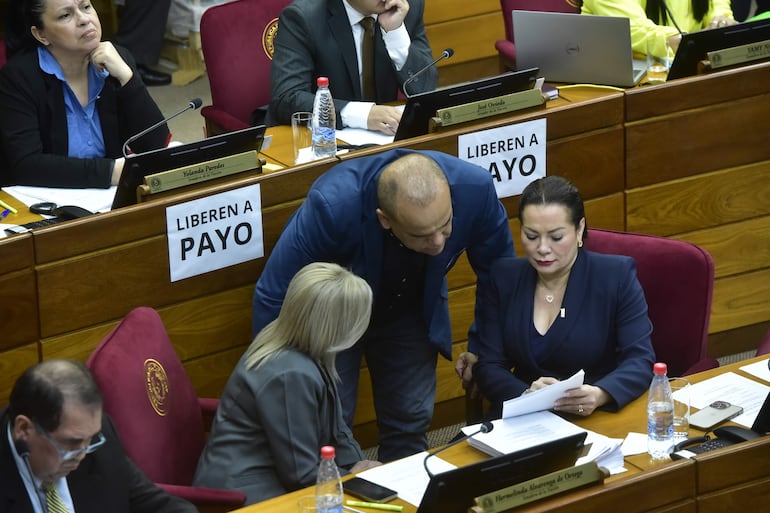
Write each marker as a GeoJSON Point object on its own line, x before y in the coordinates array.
{"type": "Point", "coordinates": [486, 427]}
{"type": "Point", "coordinates": [447, 53]}
{"type": "Point", "coordinates": [195, 103]}
{"type": "Point", "coordinates": [22, 448]}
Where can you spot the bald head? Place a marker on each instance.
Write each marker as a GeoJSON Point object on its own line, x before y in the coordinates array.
{"type": "Point", "coordinates": [416, 203]}
{"type": "Point", "coordinates": [413, 179]}
{"type": "Point", "coordinates": [42, 390]}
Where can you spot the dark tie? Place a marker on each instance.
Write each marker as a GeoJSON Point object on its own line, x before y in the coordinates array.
{"type": "Point", "coordinates": [367, 59]}
{"type": "Point", "coordinates": [52, 497]}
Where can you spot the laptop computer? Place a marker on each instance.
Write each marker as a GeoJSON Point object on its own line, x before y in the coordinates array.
{"type": "Point", "coordinates": [576, 48]}
{"type": "Point", "coordinates": [453, 491]}
{"type": "Point", "coordinates": [420, 108]}
{"type": "Point", "coordinates": [139, 165]}
{"type": "Point", "coordinates": [695, 45]}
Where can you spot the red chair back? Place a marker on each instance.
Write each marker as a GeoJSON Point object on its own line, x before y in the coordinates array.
{"type": "Point", "coordinates": [150, 398]}
{"type": "Point", "coordinates": [533, 5]}
{"type": "Point", "coordinates": [764, 346]}
{"type": "Point", "coordinates": [237, 42]}
{"type": "Point", "coordinates": [2, 53]}
{"type": "Point", "coordinates": [678, 282]}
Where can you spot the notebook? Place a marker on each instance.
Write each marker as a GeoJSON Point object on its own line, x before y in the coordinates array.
{"type": "Point", "coordinates": [576, 48]}
{"type": "Point", "coordinates": [453, 491]}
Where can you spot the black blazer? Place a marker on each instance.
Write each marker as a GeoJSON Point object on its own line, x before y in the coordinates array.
{"type": "Point", "coordinates": [314, 39]}
{"type": "Point", "coordinates": [106, 480]}
{"type": "Point", "coordinates": [33, 126]}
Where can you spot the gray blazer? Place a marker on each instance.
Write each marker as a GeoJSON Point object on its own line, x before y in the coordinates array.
{"type": "Point", "coordinates": [270, 426]}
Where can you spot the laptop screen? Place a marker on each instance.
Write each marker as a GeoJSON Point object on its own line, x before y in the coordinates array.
{"type": "Point", "coordinates": [694, 46]}
{"type": "Point", "coordinates": [421, 107]}
{"type": "Point", "coordinates": [139, 165]}
{"type": "Point", "coordinates": [454, 491]}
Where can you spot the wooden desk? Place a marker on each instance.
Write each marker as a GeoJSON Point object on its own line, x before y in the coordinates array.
{"type": "Point", "coordinates": [712, 482]}
{"type": "Point", "coordinates": [85, 275]}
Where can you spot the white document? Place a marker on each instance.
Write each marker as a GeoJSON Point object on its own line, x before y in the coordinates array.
{"type": "Point", "coordinates": [543, 398]}
{"type": "Point", "coordinates": [734, 389]}
{"type": "Point", "coordinates": [517, 433]}
{"type": "Point", "coordinates": [407, 476]}
{"type": "Point", "coordinates": [758, 369]}
{"type": "Point", "coordinates": [358, 136]}
{"type": "Point", "coordinates": [95, 200]}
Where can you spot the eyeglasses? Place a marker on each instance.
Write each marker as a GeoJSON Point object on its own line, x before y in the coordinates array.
{"type": "Point", "coordinates": [96, 442]}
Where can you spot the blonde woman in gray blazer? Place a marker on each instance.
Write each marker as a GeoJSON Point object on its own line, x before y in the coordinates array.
{"type": "Point", "coordinates": [281, 405]}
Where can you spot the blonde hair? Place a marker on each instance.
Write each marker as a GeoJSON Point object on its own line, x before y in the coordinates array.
{"type": "Point", "coordinates": [325, 307]}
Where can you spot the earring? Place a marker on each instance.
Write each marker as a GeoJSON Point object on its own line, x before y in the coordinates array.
{"type": "Point", "coordinates": [580, 243]}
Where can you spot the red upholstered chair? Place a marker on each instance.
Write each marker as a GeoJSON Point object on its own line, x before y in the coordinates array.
{"type": "Point", "coordinates": [237, 43]}
{"type": "Point", "coordinates": [505, 47]}
{"type": "Point", "coordinates": [2, 53]}
{"type": "Point", "coordinates": [764, 346]}
{"type": "Point", "coordinates": [155, 408]}
{"type": "Point", "coordinates": [678, 282]}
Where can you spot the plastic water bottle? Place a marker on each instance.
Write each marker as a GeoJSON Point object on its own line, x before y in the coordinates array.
{"type": "Point", "coordinates": [328, 488]}
{"type": "Point", "coordinates": [324, 121]}
{"type": "Point", "coordinates": [660, 415]}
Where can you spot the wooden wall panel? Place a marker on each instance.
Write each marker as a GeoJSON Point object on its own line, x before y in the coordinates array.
{"type": "Point", "coordinates": [472, 38]}
{"type": "Point", "coordinates": [18, 296]}
{"type": "Point", "coordinates": [737, 247]}
{"type": "Point", "coordinates": [12, 363]}
{"type": "Point", "coordinates": [740, 300]}
{"type": "Point", "coordinates": [703, 201]}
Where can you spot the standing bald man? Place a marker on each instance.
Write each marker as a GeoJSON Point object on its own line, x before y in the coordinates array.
{"type": "Point", "coordinates": [400, 220]}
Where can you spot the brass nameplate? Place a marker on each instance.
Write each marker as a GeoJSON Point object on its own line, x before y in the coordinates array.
{"type": "Point", "coordinates": [490, 107]}
{"type": "Point", "coordinates": [539, 488]}
{"type": "Point", "coordinates": [739, 54]}
{"type": "Point", "coordinates": [174, 178]}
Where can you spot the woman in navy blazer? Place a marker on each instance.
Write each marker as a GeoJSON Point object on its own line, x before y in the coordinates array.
{"type": "Point", "coordinates": [561, 309]}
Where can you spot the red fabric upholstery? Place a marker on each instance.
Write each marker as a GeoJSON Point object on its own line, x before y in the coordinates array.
{"type": "Point", "coordinates": [152, 401]}
{"type": "Point", "coordinates": [505, 47]}
{"type": "Point", "coordinates": [764, 346]}
{"type": "Point", "coordinates": [237, 43]}
{"type": "Point", "coordinates": [2, 53]}
{"type": "Point", "coordinates": [678, 282]}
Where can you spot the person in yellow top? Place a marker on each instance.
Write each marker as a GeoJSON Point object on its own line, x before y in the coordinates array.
{"type": "Point", "coordinates": [650, 19]}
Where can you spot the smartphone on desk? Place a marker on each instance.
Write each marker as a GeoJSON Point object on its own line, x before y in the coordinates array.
{"type": "Point", "coordinates": [371, 492]}
{"type": "Point", "coordinates": [714, 414]}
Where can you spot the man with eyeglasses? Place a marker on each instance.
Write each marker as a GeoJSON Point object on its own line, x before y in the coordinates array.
{"type": "Point", "coordinates": [59, 453]}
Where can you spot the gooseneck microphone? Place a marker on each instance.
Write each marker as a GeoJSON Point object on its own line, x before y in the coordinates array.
{"type": "Point", "coordinates": [22, 448]}
{"type": "Point", "coordinates": [485, 427]}
{"type": "Point", "coordinates": [195, 103]}
{"type": "Point", "coordinates": [447, 53]}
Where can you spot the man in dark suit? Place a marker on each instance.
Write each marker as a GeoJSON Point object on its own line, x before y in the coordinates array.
{"type": "Point", "coordinates": [324, 38]}
{"type": "Point", "coordinates": [54, 436]}
{"type": "Point", "coordinates": [400, 220]}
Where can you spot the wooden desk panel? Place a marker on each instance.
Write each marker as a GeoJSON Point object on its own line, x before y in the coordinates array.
{"type": "Point", "coordinates": [18, 297]}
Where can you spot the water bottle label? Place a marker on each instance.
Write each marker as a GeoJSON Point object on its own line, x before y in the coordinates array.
{"type": "Point", "coordinates": [324, 135]}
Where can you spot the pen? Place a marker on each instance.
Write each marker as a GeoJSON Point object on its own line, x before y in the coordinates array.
{"type": "Point", "coordinates": [5, 213]}
{"type": "Point", "coordinates": [6, 206]}
{"type": "Point", "coordinates": [376, 505]}
{"type": "Point", "coordinates": [352, 510]}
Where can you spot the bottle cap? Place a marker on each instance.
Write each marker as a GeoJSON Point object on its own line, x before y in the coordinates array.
{"type": "Point", "coordinates": [327, 452]}
{"type": "Point", "coordinates": [660, 368]}
{"type": "Point", "coordinates": [323, 81]}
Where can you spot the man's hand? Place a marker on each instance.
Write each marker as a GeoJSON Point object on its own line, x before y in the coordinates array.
{"type": "Point", "coordinates": [393, 14]}
{"type": "Point", "coordinates": [384, 118]}
{"type": "Point", "coordinates": [464, 369]}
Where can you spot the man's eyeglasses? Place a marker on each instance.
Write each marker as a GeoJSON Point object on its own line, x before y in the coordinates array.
{"type": "Point", "coordinates": [96, 442]}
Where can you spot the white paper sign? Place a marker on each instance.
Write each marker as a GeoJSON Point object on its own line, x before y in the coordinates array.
{"type": "Point", "coordinates": [514, 154]}
{"type": "Point", "coordinates": [214, 232]}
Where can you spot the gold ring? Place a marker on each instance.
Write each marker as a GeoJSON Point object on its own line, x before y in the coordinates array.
{"type": "Point", "coordinates": [580, 408]}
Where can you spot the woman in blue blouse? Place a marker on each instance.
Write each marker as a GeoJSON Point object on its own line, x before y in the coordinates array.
{"type": "Point", "coordinates": [561, 309]}
{"type": "Point", "coordinates": [68, 100]}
